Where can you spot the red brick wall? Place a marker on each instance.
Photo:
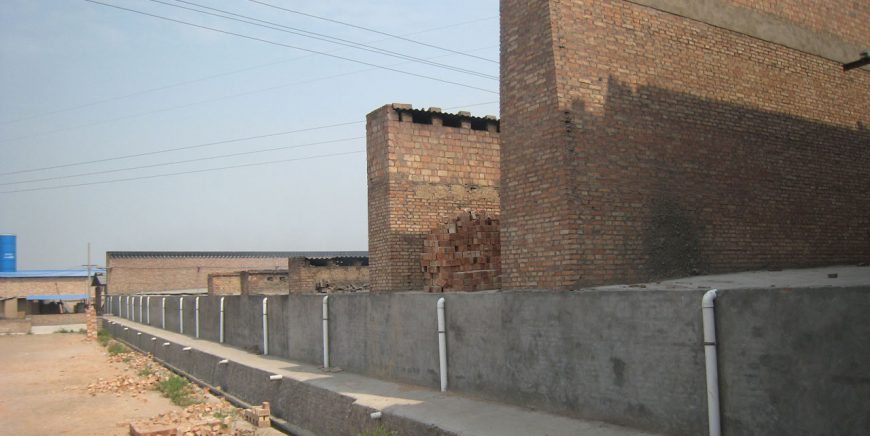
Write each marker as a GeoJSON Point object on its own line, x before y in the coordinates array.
{"type": "Point", "coordinates": [823, 16]}
{"type": "Point", "coordinates": [127, 275]}
{"type": "Point", "coordinates": [637, 144]}
{"type": "Point", "coordinates": [463, 254]}
{"type": "Point", "coordinates": [306, 278]}
{"type": "Point", "coordinates": [418, 174]}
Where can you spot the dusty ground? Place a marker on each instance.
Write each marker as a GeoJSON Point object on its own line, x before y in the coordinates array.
{"type": "Point", "coordinates": [43, 388]}
{"type": "Point", "coordinates": [62, 384]}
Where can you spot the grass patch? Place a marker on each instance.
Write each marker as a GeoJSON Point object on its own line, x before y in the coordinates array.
{"type": "Point", "coordinates": [146, 371]}
{"type": "Point", "coordinates": [103, 337]}
{"type": "Point", "coordinates": [117, 348]}
{"type": "Point", "coordinates": [379, 431]}
{"type": "Point", "coordinates": [178, 390]}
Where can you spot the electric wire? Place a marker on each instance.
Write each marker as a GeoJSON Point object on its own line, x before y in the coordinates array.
{"type": "Point", "coordinates": [187, 105]}
{"type": "Point", "coordinates": [187, 147]}
{"type": "Point", "coordinates": [319, 36]}
{"type": "Point", "coordinates": [162, 164]}
{"type": "Point", "coordinates": [266, 41]}
{"type": "Point", "coordinates": [208, 144]}
{"type": "Point", "coordinates": [213, 76]}
{"type": "Point", "coordinates": [154, 176]}
{"type": "Point", "coordinates": [372, 30]}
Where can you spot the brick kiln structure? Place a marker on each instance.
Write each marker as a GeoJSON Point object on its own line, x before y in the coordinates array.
{"type": "Point", "coordinates": [423, 166]}
{"type": "Point", "coordinates": [462, 254]}
{"type": "Point", "coordinates": [660, 138]}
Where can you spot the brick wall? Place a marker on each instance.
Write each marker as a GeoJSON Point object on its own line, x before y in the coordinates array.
{"type": "Point", "coordinates": [264, 282]}
{"type": "Point", "coordinates": [224, 284]}
{"type": "Point", "coordinates": [306, 278]}
{"type": "Point", "coordinates": [462, 254]}
{"type": "Point", "coordinates": [127, 275]}
{"type": "Point", "coordinates": [423, 166]}
{"type": "Point", "coordinates": [24, 286]}
{"type": "Point", "coordinates": [637, 144]}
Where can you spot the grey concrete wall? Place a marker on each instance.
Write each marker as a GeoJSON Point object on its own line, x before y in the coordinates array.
{"type": "Point", "coordinates": [632, 357]}
{"type": "Point", "coordinates": [795, 361]}
{"type": "Point", "coordinates": [305, 328]}
{"type": "Point", "coordinates": [792, 361]}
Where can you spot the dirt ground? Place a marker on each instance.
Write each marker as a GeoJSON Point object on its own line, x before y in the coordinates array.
{"type": "Point", "coordinates": [44, 389]}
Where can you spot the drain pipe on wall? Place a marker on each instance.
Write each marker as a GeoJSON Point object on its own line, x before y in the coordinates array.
{"type": "Point", "coordinates": [196, 317]}
{"type": "Point", "coordinates": [140, 309]}
{"type": "Point", "coordinates": [708, 313]}
{"type": "Point", "coordinates": [181, 315]}
{"type": "Point", "coordinates": [442, 345]}
{"type": "Point", "coordinates": [163, 313]}
{"type": "Point", "coordinates": [148, 310]}
{"type": "Point", "coordinates": [265, 326]}
{"type": "Point", "coordinates": [221, 326]}
{"type": "Point", "coordinates": [326, 332]}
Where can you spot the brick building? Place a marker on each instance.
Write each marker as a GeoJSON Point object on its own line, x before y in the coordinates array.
{"type": "Point", "coordinates": [248, 282]}
{"type": "Point", "coordinates": [423, 166]}
{"type": "Point", "coordinates": [347, 273]}
{"type": "Point", "coordinates": [130, 272]}
{"type": "Point", "coordinates": [43, 292]}
{"type": "Point", "coordinates": [656, 138]}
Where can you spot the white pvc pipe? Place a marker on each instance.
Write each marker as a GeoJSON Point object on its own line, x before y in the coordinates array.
{"type": "Point", "coordinates": [196, 316]}
{"type": "Point", "coordinates": [148, 310]}
{"type": "Point", "coordinates": [140, 309]}
{"type": "Point", "coordinates": [221, 326]}
{"type": "Point", "coordinates": [265, 326]}
{"type": "Point", "coordinates": [163, 313]}
{"type": "Point", "coordinates": [442, 345]}
{"type": "Point", "coordinates": [326, 332]}
{"type": "Point", "coordinates": [129, 307]}
{"type": "Point", "coordinates": [181, 315]}
{"type": "Point", "coordinates": [708, 314]}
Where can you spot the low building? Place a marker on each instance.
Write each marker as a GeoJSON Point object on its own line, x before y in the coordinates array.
{"type": "Point", "coordinates": [248, 282]}
{"type": "Point", "coordinates": [136, 272]}
{"type": "Point", "coordinates": [51, 298]}
{"type": "Point", "coordinates": [328, 274]}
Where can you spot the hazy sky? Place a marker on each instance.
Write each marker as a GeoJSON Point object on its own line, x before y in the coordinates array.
{"type": "Point", "coordinates": [81, 82]}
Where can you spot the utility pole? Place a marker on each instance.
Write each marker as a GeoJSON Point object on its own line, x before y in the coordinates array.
{"type": "Point", "coordinates": [89, 274]}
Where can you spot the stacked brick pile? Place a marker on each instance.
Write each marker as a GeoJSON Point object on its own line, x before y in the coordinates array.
{"type": "Point", "coordinates": [463, 254]}
{"type": "Point", "coordinates": [91, 322]}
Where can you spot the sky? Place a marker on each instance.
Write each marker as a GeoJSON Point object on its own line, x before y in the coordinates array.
{"type": "Point", "coordinates": [114, 124]}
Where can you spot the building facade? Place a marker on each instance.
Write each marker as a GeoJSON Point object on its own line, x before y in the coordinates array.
{"type": "Point", "coordinates": [663, 138]}
{"type": "Point", "coordinates": [140, 272]}
{"type": "Point", "coordinates": [424, 166]}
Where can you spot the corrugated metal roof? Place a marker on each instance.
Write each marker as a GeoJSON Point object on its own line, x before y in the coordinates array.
{"type": "Point", "coordinates": [58, 297]}
{"type": "Point", "coordinates": [308, 254]}
{"type": "Point", "coordinates": [42, 273]}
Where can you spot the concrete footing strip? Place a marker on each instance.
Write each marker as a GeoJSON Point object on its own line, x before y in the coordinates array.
{"type": "Point", "coordinates": [308, 400]}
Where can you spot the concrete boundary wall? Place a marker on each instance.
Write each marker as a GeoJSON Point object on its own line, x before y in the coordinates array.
{"type": "Point", "coordinates": [793, 361]}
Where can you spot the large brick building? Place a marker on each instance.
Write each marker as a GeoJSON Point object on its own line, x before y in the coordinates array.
{"type": "Point", "coordinates": [424, 166]}
{"type": "Point", "coordinates": [657, 138]}
{"type": "Point", "coordinates": [130, 272]}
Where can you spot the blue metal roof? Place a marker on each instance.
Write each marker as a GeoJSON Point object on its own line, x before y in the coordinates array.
{"type": "Point", "coordinates": [43, 273]}
{"type": "Point", "coordinates": [58, 297]}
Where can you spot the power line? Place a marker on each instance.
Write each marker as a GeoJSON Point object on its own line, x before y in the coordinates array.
{"type": "Point", "coordinates": [253, 38]}
{"type": "Point", "coordinates": [187, 147]}
{"type": "Point", "coordinates": [318, 36]}
{"type": "Point", "coordinates": [187, 105]}
{"type": "Point", "coordinates": [215, 76]}
{"type": "Point", "coordinates": [154, 176]}
{"type": "Point", "coordinates": [220, 156]}
{"type": "Point", "coordinates": [372, 30]}
{"type": "Point", "coordinates": [207, 144]}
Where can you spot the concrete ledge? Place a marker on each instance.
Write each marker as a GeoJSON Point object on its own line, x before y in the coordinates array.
{"type": "Point", "coordinates": [318, 402]}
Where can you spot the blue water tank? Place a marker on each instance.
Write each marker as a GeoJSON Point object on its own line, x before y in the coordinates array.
{"type": "Point", "coordinates": [8, 253]}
